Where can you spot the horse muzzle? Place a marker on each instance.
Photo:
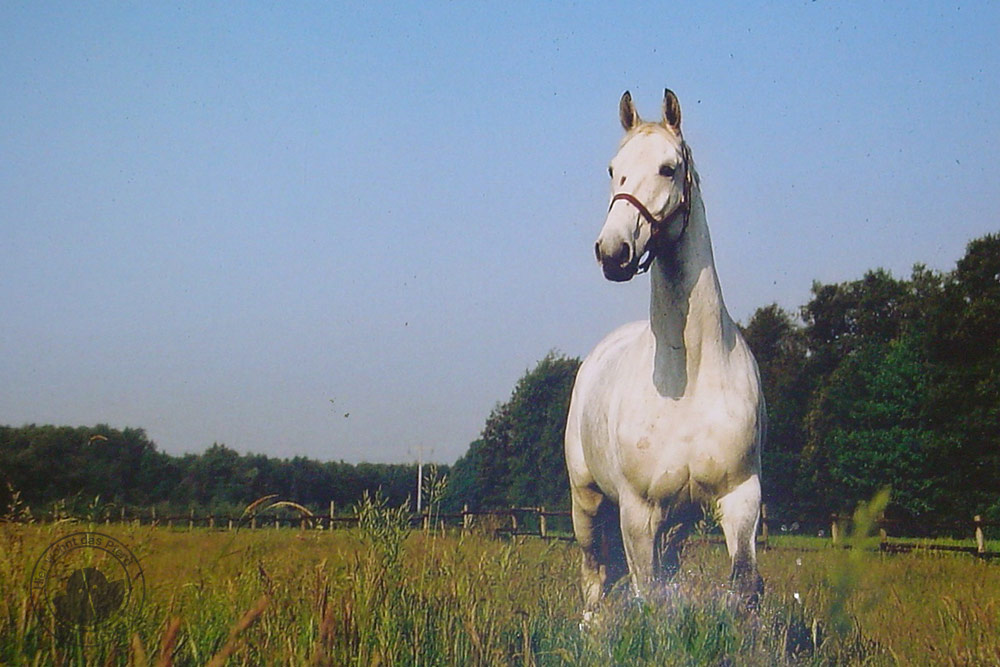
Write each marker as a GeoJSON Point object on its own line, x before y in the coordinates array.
{"type": "Point", "coordinates": [618, 259]}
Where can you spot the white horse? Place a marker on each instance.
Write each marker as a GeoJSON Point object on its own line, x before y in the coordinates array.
{"type": "Point", "coordinates": [667, 415]}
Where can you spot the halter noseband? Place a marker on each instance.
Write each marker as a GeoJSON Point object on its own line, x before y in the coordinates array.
{"type": "Point", "coordinates": [657, 225]}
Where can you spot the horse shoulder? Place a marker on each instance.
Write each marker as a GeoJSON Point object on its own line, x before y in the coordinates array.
{"type": "Point", "coordinates": [596, 400]}
{"type": "Point", "coordinates": [601, 369]}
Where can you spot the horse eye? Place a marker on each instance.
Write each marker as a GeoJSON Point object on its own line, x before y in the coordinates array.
{"type": "Point", "coordinates": [666, 171]}
{"type": "Point", "coordinates": [611, 172]}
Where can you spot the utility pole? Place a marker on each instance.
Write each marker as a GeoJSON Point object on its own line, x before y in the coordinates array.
{"type": "Point", "coordinates": [420, 476]}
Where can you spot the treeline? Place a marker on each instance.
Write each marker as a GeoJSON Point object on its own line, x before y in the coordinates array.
{"type": "Point", "coordinates": [886, 382]}
{"type": "Point", "coordinates": [877, 382]}
{"type": "Point", "coordinates": [76, 466]}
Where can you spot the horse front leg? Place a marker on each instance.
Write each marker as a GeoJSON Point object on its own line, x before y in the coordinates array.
{"type": "Point", "coordinates": [739, 513]}
{"type": "Point", "coordinates": [639, 524]}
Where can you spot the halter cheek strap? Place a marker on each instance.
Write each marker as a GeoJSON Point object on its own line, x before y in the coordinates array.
{"type": "Point", "coordinates": [657, 225]}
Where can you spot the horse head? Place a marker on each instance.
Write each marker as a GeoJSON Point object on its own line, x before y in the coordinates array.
{"type": "Point", "coordinates": [651, 182]}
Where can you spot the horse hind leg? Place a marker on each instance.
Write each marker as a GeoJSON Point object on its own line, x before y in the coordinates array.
{"type": "Point", "coordinates": [595, 524]}
{"type": "Point", "coordinates": [611, 547]}
{"type": "Point", "coordinates": [739, 512]}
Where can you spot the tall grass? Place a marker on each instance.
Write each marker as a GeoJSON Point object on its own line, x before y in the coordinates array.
{"type": "Point", "coordinates": [383, 594]}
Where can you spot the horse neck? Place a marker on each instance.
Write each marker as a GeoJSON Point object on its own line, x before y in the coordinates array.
{"type": "Point", "coordinates": [688, 318]}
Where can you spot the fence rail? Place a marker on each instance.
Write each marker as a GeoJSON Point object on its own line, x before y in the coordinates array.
{"type": "Point", "coordinates": [538, 522]}
{"type": "Point", "coordinates": [510, 521]}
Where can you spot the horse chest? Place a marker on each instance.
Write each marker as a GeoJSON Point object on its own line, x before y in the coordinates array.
{"type": "Point", "coordinates": [678, 450]}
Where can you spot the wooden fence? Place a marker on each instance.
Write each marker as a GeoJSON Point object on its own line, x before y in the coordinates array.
{"type": "Point", "coordinates": [512, 521]}
{"type": "Point", "coordinates": [974, 529]}
{"type": "Point", "coordinates": [557, 525]}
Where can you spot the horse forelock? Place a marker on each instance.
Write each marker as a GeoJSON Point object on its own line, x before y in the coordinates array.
{"type": "Point", "coordinates": [649, 129]}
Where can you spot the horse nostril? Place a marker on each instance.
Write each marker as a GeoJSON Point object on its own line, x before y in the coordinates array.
{"type": "Point", "coordinates": [623, 255]}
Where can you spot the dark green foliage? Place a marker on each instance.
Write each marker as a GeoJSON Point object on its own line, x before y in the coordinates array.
{"type": "Point", "coordinates": [47, 463]}
{"type": "Point", "coordinates": [75, 465]}
{"type": "Point", "coordinates": [465, 487]}
{"type": "Point", "coordinates": [873, 427]}
{"type": "Point", "coordinates": [886, 383]}
{"type": "Point", "coordinates": [779, 347]}
{"type": "Point", "coordinates": [964, 406]}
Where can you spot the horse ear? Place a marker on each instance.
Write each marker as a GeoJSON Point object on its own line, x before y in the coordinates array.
{"type": "Point", "coordinates": [627, 112]}
{"type": "Point", "coordinates": [671, 110]}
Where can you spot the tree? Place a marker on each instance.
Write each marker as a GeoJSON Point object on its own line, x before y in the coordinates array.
{"type": "Point", "coordinates": [519, 458]}
{"type": "Point", "coordinates": [539, 408]}
{"type": "Point", "coordinates": [840, 318]}
{"type": "Point", "coordinates": [213, 477]}
{"type": "Point", "coordinates": [848, 325]}
{"type": "Point", "coordinates": [47, 464]}
{"type": "Point", "coordinates": [779, 348]}
{"type": "Point", "coordinates": [873, 429]}
{"type": "Point", "coordinates": [465, 487]}
{"type": "Point", "coordinates": [964, 343]}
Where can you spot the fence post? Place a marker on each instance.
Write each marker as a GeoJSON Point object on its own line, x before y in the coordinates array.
{"type": "Point", "coordinates": [211, 521]}
{"type": "Point", "coordinates": [230, 523]}
{"type": "Point", "coordinates": [980, 538]}
{"type": "Point", "coordinates": [763, 525]}
{"type": "Point", "coordinates": [253, 523]}
{"type": "Point", "coordinates": [513, 521]}
{"type": "Point", "coordinates": [123, 515]}
{"type": "Point", "coordinates": [329, 526]}
{"type": "Point", "coordinates": [466, 517]}
{"type": "Point", "coordinates": [834, 530]}
{"type": "Point", "coordinates": [541, 522]}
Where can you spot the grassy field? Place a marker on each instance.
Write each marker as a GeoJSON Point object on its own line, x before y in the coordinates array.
{"type": "Point", "coordinates": [383, 595]}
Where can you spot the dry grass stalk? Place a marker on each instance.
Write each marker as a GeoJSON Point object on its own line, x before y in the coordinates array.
{"type": "Point", "coordinates": [138, 658]}
{"type": "Point", "coordinates": [231, 643]}
{"type": "Point", "coordinates": [168, 642]}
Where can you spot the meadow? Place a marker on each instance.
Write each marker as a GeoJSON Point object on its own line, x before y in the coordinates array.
{"type": "Point", "coordinates": [383, 594]}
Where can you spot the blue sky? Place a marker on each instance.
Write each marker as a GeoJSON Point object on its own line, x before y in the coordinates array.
{"type": "Point", "coordinates": [345, 230]}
